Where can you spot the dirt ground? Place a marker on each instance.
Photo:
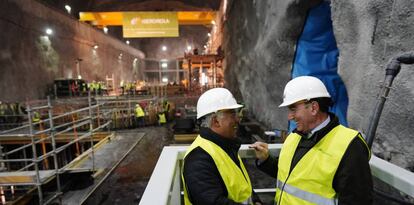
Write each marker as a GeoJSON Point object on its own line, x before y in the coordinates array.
{"type": "Point", "coordinates": [127, 182]}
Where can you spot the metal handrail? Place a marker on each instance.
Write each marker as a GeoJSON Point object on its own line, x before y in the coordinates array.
{"type": "Point", "coordinates": [16, 160]}
{"type": "Point", "coordinates": [44, 138]}
{"type": "Point", "coordinates": [47, 120]}
{"type": "Point", "coordinates": [70, 123]}
{"type": "Point", "coordinates": [71, 128]}
{"type": "Point", "coordinates": [38, 108]}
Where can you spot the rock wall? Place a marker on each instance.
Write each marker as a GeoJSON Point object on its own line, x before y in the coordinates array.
{"type": "Point", "coordinates": [30, 60]}
{"type": "Point", "coordinates": [259, 43]}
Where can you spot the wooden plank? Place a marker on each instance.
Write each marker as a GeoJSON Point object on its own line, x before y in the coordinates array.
{"type": "Point", "coordinates": [10, 139]}
{"type": "Point", "coordinates": [24, 177]}
{"type": "Point", "coordinates": [185, 137]}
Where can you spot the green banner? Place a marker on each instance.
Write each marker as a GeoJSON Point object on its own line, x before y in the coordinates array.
{"type": "Point", "coordinates": [150, 24]}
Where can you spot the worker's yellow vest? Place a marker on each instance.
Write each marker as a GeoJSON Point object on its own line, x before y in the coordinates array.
{"type": "Point", "coordinates": [161, 118]}
{"type": "Point", "coordinates": [237, 180]}
{"type": "Point", "coordinates": [310, 182]}
{"type": "Point", "coordinates": [36, 117]}
{"type": "Point", "coordinates": [3, 108]}
{"type": "Point", "coordinates": [139, 112]}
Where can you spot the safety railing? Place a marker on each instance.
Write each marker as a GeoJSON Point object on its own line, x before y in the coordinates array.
{"type": "Point", "coordinates": [164, 186]}
{"type": "Point", "coordinates": [28, 164]}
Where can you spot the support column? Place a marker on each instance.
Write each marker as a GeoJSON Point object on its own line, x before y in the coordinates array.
{"type": "Point", "coordinates": [177, 77]}
{"type": "Point", "coordinates": [189, 74]}
{"type": "Point", "coordinates": [214, 73]}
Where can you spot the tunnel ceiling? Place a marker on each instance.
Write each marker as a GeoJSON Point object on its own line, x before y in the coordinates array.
{"type": "Point", "coordinates": [140, 5]}
{"type": "Point", "coordinates": [155, 5]}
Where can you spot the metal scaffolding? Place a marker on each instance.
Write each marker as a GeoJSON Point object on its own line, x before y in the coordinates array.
{"type": "Point", "coordinates": [28, 165]}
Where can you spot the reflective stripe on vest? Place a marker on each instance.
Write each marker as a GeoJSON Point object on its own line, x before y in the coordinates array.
{"type": "Point", "coordinates": [307, 196]}
{"type": "Point", "coordinates": [236, 180]}
{"type": "Point", "coordinates": [310, 181]}
{"type": "Point", "coordinates": [248, 201]}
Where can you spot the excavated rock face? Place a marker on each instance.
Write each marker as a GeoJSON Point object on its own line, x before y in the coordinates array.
{"type": "Point", "coordinates": [259, 42]}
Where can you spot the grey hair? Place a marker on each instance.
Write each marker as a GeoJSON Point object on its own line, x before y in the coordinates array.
{"type": "Point", "coordinates": [206, 121]}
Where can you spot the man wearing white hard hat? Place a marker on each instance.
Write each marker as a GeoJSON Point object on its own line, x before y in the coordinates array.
{"type": "Point", "coordinates": [321, 161]}
{"type": "Point", "coordinates": [213, 172]}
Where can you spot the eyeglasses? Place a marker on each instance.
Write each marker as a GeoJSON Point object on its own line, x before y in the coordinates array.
{"type": "Point", "coordinates": [233, 112]}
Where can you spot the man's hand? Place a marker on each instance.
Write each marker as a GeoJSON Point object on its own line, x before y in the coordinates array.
{"type": "Point", "coordinates": [261, 149]}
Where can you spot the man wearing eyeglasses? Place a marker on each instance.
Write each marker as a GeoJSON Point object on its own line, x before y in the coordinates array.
{"type": "Point", "coordinates": [321, 161]}
{"type": "Point", "coordinates": [213, 172]}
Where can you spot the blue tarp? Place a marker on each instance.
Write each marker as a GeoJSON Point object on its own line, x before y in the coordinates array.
{"type": "Point", "coordinates": [317, 55]}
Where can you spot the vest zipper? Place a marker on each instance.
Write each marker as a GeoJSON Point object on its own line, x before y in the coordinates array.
{"type": "Point", "coordinates": [283, 187]}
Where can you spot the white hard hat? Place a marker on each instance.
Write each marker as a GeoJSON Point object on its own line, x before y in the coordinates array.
{"type": "Point", "coordinates": [214, 100]}
{"type": "Point", "coordinates": [303, 88]}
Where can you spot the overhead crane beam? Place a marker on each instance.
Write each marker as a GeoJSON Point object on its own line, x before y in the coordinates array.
{"type": "Point", "coordinates": [101, 19]}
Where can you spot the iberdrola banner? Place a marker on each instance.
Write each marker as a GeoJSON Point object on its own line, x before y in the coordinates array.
{"type": "Point", "coordinates": [150, 24]}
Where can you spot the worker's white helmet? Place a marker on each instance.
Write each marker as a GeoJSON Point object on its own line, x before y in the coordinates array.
{"type": "Point", "coordinates": [214, 100]}
{"type": "Point", "coordinates": [303, 88]}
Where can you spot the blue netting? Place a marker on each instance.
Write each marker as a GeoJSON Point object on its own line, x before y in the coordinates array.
{"type": "Point", "coordinates": [317, 55]}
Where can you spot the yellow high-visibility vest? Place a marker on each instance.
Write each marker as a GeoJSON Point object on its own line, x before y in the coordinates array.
{"type": "Point", "coordinates": [161, 118]}
{"type": "Point", "coordinates": [237, 180]}
{"type": "Point", "coordinates": [139, 112]}
{"type": "Point", "coordinates": [310, 181]}
{"type": "Point", "coordinates": [3, 108]}
{"type": "Point", "coordinates": [36, 117]}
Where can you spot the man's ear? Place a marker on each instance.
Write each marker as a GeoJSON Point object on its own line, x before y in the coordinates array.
{"type": "Point", "coordinates": [215, 122]}
{"type": "Point", "coordinates": [315, 107]}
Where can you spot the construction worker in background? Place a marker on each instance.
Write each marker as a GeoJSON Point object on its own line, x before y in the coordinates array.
{"type": "Point", "coordinates": [84, 88]}
{"type": "Point", "coordinates": [74, 88]}
{"type": "Point", "coordinates": [139, 115]}
{"type": "Point", "coordinates": [321, 161]}
{"type": "Point", "coordinates": [90, 86]}
{"type": "Point", "coordinates": [166, 106]}
{"type": "Point", "coordinates": [3, 108]}
{"type": "Point", "coordinates": [94, 88]}
{"type": "Point", "coordinates": [122, 85]}
{"type": "Point", "coordinates": [213, 172]}
{"type": "Point", "coordinates": [36, 119]}
{"type": "Point", "coordinates": [99, 87]}
{"type": "Point", "coordinates": [127, 88]}
{"type": "Point", "coordinates": [104, 88]}
{"type": "Point", "coordinates": [161, 116]}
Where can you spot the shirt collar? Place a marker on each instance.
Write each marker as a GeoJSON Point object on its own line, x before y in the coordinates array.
{"type": "Point", "coordinates": [319, 127]}
{"type": "Point", "coordinates": [226, 144]}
